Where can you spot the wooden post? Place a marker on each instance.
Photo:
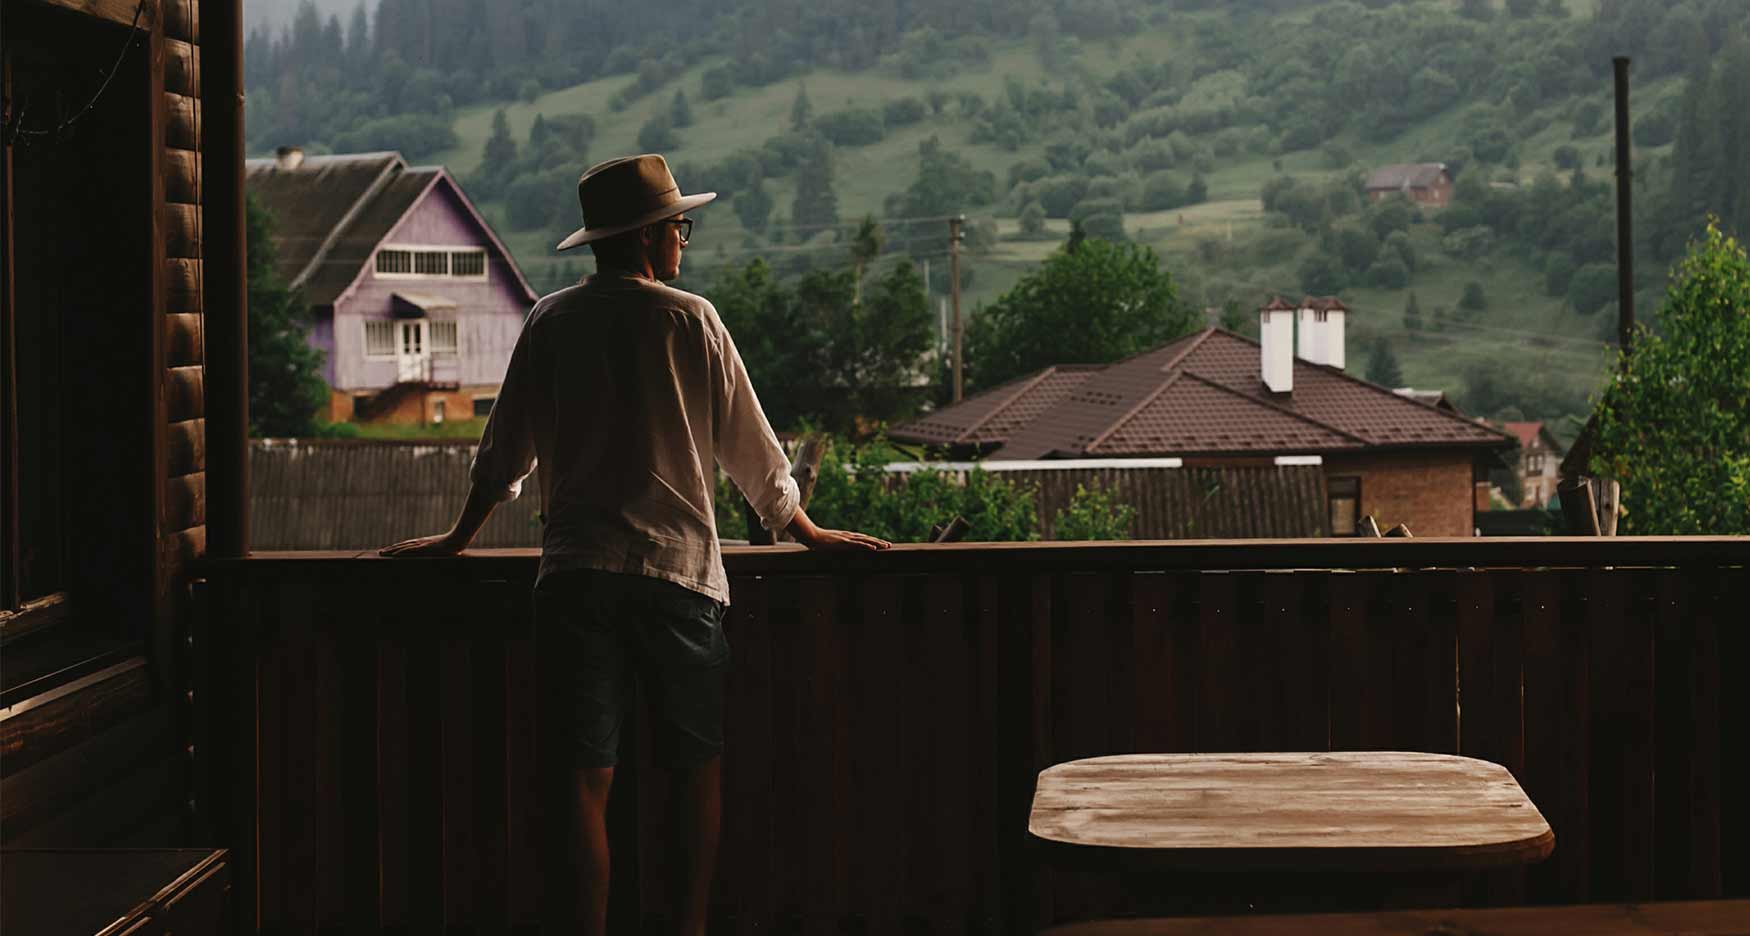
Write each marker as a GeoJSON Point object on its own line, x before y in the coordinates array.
{"type": "Point", "coordinates": [1579, 508]}
{"type": "Point", "coordinates": [225, 286]}
{"type": "Point", "coordinates": [805, 468]}
{"type": "Point", "coordinates": [1625, 246]}
{"type": "Point", "coordinates": [954, 291]}
{"type": "Point", "coordinates": [1609, 496]}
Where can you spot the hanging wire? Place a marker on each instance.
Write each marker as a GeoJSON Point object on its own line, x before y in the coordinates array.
{"type": "Point", "coordinates": [18, 129]}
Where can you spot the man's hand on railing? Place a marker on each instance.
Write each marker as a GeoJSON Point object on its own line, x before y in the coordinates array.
{"type": "Point", "coordinates": [823, 540]}
{"type": "Point", "coordinates": [443, 544]}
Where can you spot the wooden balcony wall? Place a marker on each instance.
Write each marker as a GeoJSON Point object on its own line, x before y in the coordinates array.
{"type": "Point", "coordinates": [888, 713]}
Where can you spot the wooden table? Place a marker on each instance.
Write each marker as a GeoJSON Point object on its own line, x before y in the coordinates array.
{"type": "Point", "coordinates": [1376, 811]}
{"type": "Point", "coordinates": [115, 892]}
{"type": "Point", "coordinates": [1690, 918]}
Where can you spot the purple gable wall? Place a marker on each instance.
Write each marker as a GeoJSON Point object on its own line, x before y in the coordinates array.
{"type": "Point", "coordinates": [489, 314]}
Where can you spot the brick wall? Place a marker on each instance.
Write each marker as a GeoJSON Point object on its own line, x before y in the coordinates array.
{"type": "Point", "coordinates": [1430, 492]}
{"type": "Point", "coordinates": [407, 404]}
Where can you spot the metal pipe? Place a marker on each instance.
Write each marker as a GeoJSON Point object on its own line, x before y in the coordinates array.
{"type": "Point", "coordinates": [1625, 242]}
{"type": "Point", "coordinates": [225, 282]}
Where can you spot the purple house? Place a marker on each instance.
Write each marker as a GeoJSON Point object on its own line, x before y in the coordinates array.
{"type": "Point", "coordinates": [417, 303]}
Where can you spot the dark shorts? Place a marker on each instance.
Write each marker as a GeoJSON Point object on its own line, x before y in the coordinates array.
{"type": "Point", "coordinates": [599, 635]}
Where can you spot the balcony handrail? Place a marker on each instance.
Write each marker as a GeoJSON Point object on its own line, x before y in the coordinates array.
{"type": "Point", "coordinates": [1162, 555]}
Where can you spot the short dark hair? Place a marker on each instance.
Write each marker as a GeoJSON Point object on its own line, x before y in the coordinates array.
{"type": "Point", "coordinates": [622, 251]}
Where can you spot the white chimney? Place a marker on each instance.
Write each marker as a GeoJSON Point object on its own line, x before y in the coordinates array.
{"type": "Point", "coordinates": [1321, 331]}
{"type": "Point", "coordinates": [1276, 342]}
{"type": "Point", "coordinates": [289, 157]}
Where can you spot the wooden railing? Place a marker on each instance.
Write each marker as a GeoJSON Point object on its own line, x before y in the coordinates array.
{"type": "Point", "coordinates": [369, 755]}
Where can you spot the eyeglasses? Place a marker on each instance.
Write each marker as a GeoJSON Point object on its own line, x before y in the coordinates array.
{"type": "Point", "coordinates": [686, 226]}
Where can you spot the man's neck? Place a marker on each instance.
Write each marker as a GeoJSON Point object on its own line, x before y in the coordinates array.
{"type": "Point", "coordinates": [641, 270]}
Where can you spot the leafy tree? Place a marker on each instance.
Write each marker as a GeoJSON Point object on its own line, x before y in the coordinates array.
{"type": "Point", "coordinates": [1094, 514]}
{"type": "Point", "coordinates": [816, 205]}
{"type": "Point", "coordinates": [1674, 428]}
{"type": "Point", "coordinates": [1389, 273]}
{"type": "Point", "coordinates": [865, 247]}
{"type": "Point", "coordinates": [657, 134]}
{"type": "Point", "coordinates": [1322, 274]}
{"type": "Point", "coordinates": [1101, 217]}
{"type": "Point", "coordinates": [1092, 301]}
{"type": "Point", "coordinates": [286, 389]}
{"type": "Point", "coordinates": [753, 206]}
{"type": "Point", "coordinates": [855, 492]}
{"type": "Point", "coordinates": [1357, 247]}
{"type": "Point", "coordinates": [1398, 244]}
{"type": "Point", "coordinates": [680, 113]}
{"type": "Point", "coordinates": [1032, 219]}
{"type": "Point", "coordinates": [1592, 287]}
{"type": "Point", "coordinates": [1474, 299]}
{"type": "Point", "coordinates": [1382, 366]}
{"type": "Point", "coordinates": [801, 111]}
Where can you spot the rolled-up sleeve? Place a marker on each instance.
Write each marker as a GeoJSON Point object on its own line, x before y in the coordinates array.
{"type": "Point", "coordinates": [747, 448]}
{"type": "Point", "coordinates": [506, 454]}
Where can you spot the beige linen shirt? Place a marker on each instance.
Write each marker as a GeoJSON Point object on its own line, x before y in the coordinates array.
{"type": "Point", "coordinates": [627, 393]}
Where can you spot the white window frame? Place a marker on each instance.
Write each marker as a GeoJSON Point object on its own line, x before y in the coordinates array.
{"type": "Point", "coordinates": [437, 326]}
{"type": "Point", "coordinates": [394, 339]}
{"type": "Point", "coordinates": [448, 250]}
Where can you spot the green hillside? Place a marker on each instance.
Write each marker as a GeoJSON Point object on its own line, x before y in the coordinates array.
{"type": "Point", "coordinates": [1199, 106]}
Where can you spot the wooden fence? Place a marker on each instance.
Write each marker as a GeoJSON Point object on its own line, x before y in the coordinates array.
{"type": "Point", "coordinates": [364, 494]}
{"type": "Point", "coordinates": [367, 722]}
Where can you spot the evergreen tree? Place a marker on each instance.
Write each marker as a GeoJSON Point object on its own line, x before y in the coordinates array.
{"type": "Point", "coordinates": [498, 162]}
{"type": "Point", "coordinates": [1382, 366]}
{"type": "Point", "coordinates": [358, 43]}
{"type": "Point", "coordinates": [1412, 313]}
{"type": "Point", "coordinates": [753, 206]}
{"type": "Point", "coordinates": [865, 247]}
{"type": "Point", "coordinates": [286, 389]}
{"type": "Point", "coordinates": [680, 113]}
{"type": "Point", "coordinates": [801, 112]}
{"type": "Point", "coordinates": [816, 205]}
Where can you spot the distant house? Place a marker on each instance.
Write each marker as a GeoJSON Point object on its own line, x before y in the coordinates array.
{"type": "Point", "coordinates": [1538, 462]}
{"type": "Point", "coordinates": [1215, 398]}
{"type": "Point", "coordinates": [1423, 183]}
{"type": "Point", "coordinates": [417, 302]}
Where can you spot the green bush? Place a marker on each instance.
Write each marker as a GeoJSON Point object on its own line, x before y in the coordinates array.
{"type": "Point", "coordinates": [1094, 514]}
{"type": "Point", "coordinates": [855, 492]}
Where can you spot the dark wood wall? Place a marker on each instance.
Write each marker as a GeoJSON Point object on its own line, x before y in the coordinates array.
{"type": "Point", "coordinates": [887, 715]}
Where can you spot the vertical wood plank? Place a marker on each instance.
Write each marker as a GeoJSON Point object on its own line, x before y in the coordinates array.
{"type": "Point", "coordinates": [744, 880]}
{"type": "Point", "coordinates": [1022, 739]}
{"type": "Point", "coordinates": [359, 862]}
{"type": "Point", "coordinates": [426, 861]}
{"type": "Point", "coordinates": [1223, 664]}
{"type": "Point", "coordinates": [298, 821]}
{"type": "Point", "coordinates": [1556, 712]}
{"type": "Point", "coordinates": [1620, 799]}
{"type": "Point", "coordinates": [455, 710]}
{"type": "Point", "coordinates": [330, 819]}
{"type": "Point", "coordinates": [948, 673]}
{"type": "Point", "coordinates": [820, 678]}
{"type": "Point", "coordinates": [490, 758]}
{"type": "Point", "coordinates": [1723, 707]}
{"type": "Point", "coordinates": [1165, 650]}
{"type": "Point", "coordinates": [986, 629]}
{"type": "Point", "coordinates": [1360, 664]}
{"type": "Point", "coordinates": [877, 690]}
{"type": "Point", "coordinates": [524, 871]}
{"type": "Point", "coordinates": [394, 781]}
{"type": "Point", "coordinates": [1292, 624]}
{"type": "Point", "coordinates": [792, 801]}
{"type": "Point", "coordinates": [1424, 675]}
{"type": "Point", "coordinates": [1083, 658]}
{"type": "Point", "coordinates": [1487, 622]}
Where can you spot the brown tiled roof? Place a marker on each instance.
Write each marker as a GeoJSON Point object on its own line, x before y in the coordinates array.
{"type": "Point", "coordinates": [991, 416]}
{"type": "Point", "coordinates": [1405, 176]}
{"type": "Point", "coordinates": [331, 212]}
{"type": "Point", "coordinates": [1202, 394]}
{"type": "Point", "coordinates": [309, 203]}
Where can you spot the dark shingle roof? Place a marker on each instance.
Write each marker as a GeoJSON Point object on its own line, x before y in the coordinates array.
{"type": "Point", "coordinates": [331, 212]}
{"type": "Point", "coordinates": [1202, 394]}
{"type": "Point", "coordinates": [990, 416]}
{"type": "Point", "coordinates": [1405, 176]}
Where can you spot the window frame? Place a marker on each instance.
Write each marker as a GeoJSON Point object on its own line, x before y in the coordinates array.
{"type": "Point", "coordinates": [434, 327]}
{"type": "Point", "coordinates": [449, 253]}
{"type": "Point", "coordinates": [1331, 498]}
{"type": "Point", "coordinates": [394, 339]}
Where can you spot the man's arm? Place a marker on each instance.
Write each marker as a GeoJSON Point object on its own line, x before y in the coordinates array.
{"type": "Point", "coordinates": [815, 537]}
{"type": "Point", "coordinates": [503, 459]}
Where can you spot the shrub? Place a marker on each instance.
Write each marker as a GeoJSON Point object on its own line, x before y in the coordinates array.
{"type": "Point", "coordinates": [855, 126]}
{"type": "Point", "coordinates": [900, 112]}
{"type": "Point", "coordinates": [1474, 298]}
{"type": "Point", "coordinates": [1094, 514]}
{"type": "Point", "coordinates": [1389, 273]}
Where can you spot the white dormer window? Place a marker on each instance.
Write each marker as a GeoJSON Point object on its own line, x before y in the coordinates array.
{"type": "Point", "coordinates": [405, 261]}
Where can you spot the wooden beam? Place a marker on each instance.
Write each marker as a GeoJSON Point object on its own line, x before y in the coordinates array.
{"type": "Point", "coordinates": [121, 12]}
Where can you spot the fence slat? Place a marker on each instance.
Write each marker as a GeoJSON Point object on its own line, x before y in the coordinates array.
{"type": "Point", "coordinates": [1556, 716]}
{"type": "Point", "coordinates": [1165, 649]}
{"type": "Point", "coordinates": [1621, 739]}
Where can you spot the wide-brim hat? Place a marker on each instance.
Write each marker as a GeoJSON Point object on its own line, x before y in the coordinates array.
{"type": "Point", "coordinates": [625, 194]}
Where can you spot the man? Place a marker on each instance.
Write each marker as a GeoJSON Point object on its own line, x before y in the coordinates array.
{"type": "Point", "coordinates": [627, 393]}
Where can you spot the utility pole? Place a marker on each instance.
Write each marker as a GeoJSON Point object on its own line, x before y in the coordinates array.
{"type": "Point", "coordinates": [1625, 231]}
{"type": "Point", "coordinates": [954, 291]}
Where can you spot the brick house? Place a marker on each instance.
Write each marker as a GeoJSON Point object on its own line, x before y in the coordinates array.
{"type": "Point", "coordinates": [417, 303]}
{"type": "Point", "coordinates": [1422, 183]}
{"type": "Point", "coordinates": [1538, 462]}
{"type": "Point", "coordinates": [1217, 398]}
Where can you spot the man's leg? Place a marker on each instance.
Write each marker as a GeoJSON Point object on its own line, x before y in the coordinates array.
{"type": "Point", "coordinates": [696, 811]}
{"type": "Point", "coordinates": [589, 837]}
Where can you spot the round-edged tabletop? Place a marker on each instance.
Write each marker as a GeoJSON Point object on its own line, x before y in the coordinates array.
{"type": "Point", "coordinates": [1337, 811]}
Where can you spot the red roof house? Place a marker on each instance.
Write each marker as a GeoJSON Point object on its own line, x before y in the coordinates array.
{"type": "Point", "coordinates": [1203, 398]}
